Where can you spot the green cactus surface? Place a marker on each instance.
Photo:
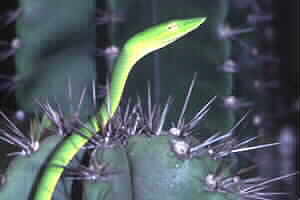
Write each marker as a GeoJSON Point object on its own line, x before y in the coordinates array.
{"type": "Point", "coordinates": [23, 172]}
{"type": "Point", "coordinates": [155, 172]}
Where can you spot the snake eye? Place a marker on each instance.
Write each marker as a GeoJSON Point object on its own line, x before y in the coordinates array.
{"type": "Point", "coordinates": [172, 27]}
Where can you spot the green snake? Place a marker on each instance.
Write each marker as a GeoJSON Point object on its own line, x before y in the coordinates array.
{"type": "Point", "coordinates": [141, 44]}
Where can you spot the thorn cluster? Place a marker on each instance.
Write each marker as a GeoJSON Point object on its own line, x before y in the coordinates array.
{"type": "Point", "coordinates": [12, 135]}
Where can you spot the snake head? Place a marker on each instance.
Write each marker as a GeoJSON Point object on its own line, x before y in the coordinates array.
{"type": "Point", "coordinates": [162, 35]}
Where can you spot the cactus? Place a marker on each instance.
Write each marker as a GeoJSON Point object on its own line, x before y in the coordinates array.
{"type": "Point", "coordinates": [136, 156]}
{"type": "Point", "coordinates": [129, 159]}
{"type": "Point", "coordinates": [45, 64]}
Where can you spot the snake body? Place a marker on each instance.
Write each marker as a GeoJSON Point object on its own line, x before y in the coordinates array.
{"type": "Point", "coordinates": [135, 48]}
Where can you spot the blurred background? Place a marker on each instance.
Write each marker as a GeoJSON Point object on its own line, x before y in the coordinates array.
{"type": "Point", "coordinates": [247, 54]}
